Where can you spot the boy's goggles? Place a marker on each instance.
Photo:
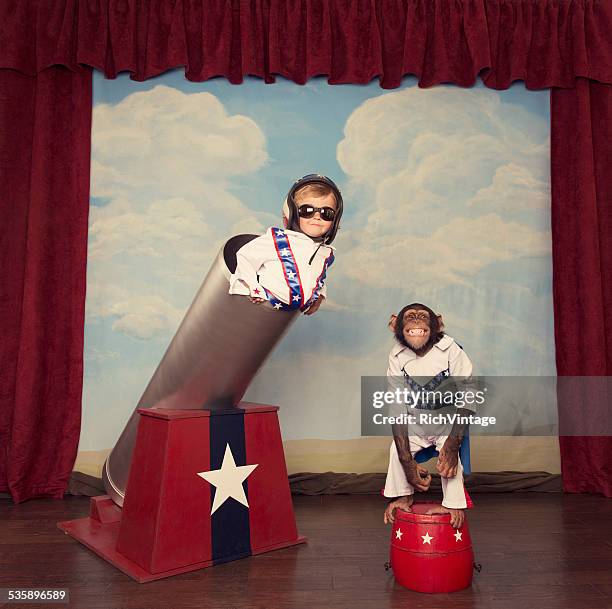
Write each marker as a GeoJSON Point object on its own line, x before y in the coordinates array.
{"type": "Point", "coordinates": [307, 210]}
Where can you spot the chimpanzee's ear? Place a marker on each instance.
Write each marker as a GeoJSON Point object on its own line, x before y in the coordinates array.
{"type": "Point", "coordinates": [392, 323]}
{"type": "Point", "coordinates": [440, 323]}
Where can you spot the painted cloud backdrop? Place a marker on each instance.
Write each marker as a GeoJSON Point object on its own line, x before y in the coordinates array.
{"type": "Point", "coordinates": [447, 203]}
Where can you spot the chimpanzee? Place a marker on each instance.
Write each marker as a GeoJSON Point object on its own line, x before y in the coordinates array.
{"type": "Point", "coordinates": [422, 350]}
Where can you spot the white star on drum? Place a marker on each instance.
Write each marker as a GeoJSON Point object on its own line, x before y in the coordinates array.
{"type": "Point", "coordinates": [426, 538]}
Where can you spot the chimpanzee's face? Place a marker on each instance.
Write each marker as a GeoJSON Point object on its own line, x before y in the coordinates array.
{"type": "Point", "coordinates": [416, 328]}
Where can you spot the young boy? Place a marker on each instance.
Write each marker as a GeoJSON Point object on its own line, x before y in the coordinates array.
{"type": "Point", "coordinates": [423, 350]}
{"type": "Point", "coordinates": [287, 267]}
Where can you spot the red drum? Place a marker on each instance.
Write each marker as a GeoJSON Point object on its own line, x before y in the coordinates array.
{"type": "Point", "coordinates": [427, 554]}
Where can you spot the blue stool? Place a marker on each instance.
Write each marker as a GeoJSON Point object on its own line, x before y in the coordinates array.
{"type": "Point", "coordinates": [425, 454]}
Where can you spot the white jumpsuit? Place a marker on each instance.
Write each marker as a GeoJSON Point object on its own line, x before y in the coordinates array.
{"type": "Point", "coordinates": [259, 266]}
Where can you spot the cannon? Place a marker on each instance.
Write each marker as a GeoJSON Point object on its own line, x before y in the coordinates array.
{"type": "Point", "coordinates": [221, 343]}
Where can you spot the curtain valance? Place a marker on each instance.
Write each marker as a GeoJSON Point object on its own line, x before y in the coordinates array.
{"type": "Point", "coordinates": [545, 43]}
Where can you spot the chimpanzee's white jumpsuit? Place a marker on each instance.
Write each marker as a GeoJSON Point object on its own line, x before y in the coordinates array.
{"type": "Point", "coordinates": [446, 355]}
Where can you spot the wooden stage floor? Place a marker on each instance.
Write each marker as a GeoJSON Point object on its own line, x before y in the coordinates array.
{"type": "Point", "coordinates": [537, 550]}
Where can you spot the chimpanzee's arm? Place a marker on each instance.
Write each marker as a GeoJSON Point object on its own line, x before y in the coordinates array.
{"type": "Point", "coordinates": [461, 369]}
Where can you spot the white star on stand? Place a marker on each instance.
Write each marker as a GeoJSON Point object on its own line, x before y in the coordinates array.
{"type": "Point", "coordinates": [426, 538]}
{"type": "Point", "coordinates": [285, 252]}
{"type": "Point", "coordinates": [290, 274]}
{"type": "Point", "coordinates": [398, 534]}
{"type": "Point", "coordinates": [458, 536]}
{"type": "Point", "coordinates": [280, 233]}
{"type": "Point", "coordinates": [228, 480]}
{"type": "Point", "coordinates": [296, 298]}
{"type": "Point", "coordinates": [278, 305]}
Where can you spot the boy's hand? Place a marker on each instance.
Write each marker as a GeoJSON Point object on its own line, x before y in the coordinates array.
{"type": "Point", "coordinates": [256, 300]}
{"type": "Point", "coordinates": [314, 307]}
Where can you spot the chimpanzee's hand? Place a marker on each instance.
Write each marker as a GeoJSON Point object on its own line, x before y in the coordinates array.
{"type": "Point", "coordinates": [403, 503]}
{"type": "Point", "coordinates": [417, 475]}
{"type": "Point", "coordinates": [256, 300]}
{"type": "Point", "coordinates": [448, 459]}
{"type": "Point", "coordinates": [457, 516]}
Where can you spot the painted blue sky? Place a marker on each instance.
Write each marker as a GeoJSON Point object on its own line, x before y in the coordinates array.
{"type": "Point", "coordinates": [447, 202]}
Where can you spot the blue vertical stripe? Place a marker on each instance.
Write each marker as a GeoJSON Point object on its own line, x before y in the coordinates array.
{"type": "Point", "coordinates": [231, 536]}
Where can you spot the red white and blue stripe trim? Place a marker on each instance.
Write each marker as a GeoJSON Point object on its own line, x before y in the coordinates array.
{"type": "Point", "coordinates": [292, 275]}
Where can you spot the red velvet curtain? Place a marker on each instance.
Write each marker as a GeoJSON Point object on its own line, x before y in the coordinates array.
{"type": "Point", "coordinates": [45, 149]}
{"type": "Point", "coordinates": [581, 158]}
{"type": "Point", "coordinates": [45, 130]}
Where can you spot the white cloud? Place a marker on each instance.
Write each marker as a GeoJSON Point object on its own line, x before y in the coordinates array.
{"type": "Point", "coordinates": [451, 253]}
{"type": "Point", "coordinates": [144, 317]}
{"type": "Point", "coordinates": [141, 315]}
{"type": "Point", "coordinates": [447, 176]}
{"type": "Point", "coordinates": [514, 187]}
{"type": "Point", "coordinates": [172, 143]}
{"type": "Point", "coordinates": [100, 355]}
{"type": "Point", "coordinates": [162, 228]}
{"type": "Point", "coordinates": [164, 161]}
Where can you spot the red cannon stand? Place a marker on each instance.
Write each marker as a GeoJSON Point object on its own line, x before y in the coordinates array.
{"type": "Point", "coordinates": [428, 554]}
{"type": "Point", "coordinates": [205, 487]}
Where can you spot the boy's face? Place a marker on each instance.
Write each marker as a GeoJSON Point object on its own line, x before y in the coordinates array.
{"type": "Point", "coordinates": [316, 226]}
